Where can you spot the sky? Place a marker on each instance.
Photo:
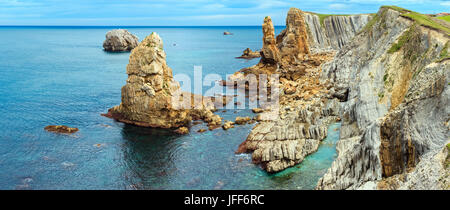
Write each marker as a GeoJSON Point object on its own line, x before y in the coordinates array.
{"type": "Point", "coordinates": [186, 12]}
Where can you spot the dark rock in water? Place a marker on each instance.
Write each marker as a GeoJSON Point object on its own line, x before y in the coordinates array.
{"type": "Point", "coordinates": [201, 130]}
{"type": "Point", "coordinates": [227, 33]}
{"type": "Point", "coordinates": [60, 129]}
{"type": "Point", "coordinates": [182, 130]}
{"type": "Point", "coordinates": [120, 40]}
{"type": "Point", "coordinates": [242, 120]}
{"type": "Point", "coordinates": [249, 54]}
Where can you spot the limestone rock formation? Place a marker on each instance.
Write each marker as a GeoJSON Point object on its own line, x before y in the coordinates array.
{"type": "Point", "coordinates": [334, 31]}
{"type": "Point", "coordinates": [227, 125]}
{"type": "Point", "coordinates": [269, 52]}
{"type": "Point", "coordinates": [249, 54]}
{"type": "Point", "coordinates": [147, 97]}
{"type": "Point", "coordinates": [395, 119]}
{"type": "Point", "coordinates": [284, 138]}
{"type": "Point", "coordinates": [120, 40]}
{"type": "Point", "coordinates": [293, 41]}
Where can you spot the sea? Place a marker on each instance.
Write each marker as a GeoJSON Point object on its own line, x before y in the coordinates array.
{"type": "Point", "coordinates": [60, 75]}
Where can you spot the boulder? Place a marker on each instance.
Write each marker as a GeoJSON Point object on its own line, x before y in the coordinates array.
{"type": "Point", "coordinates": [242, 120]}
{"type": "Point", "coordinates": [227, 125]}
{"type": "Point", "coordinates": [120, 40]}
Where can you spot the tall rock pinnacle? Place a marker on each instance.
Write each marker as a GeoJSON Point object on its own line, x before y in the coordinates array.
{"type": "Point", "coordinates": [293, 41]}
{"type": "Point", "coordinates": [147, 96]}
{"type": "Point", "coordinates": [269, 52]}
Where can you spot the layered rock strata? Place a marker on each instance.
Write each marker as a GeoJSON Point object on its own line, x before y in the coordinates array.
{"type": "Point", "coordinates": [333, 31]}
{"type": "Point", "coordinates": [395, 120]}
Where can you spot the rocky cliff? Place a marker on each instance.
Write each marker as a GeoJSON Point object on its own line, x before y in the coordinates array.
{"type": "Point", "coordinates": [395, 118]}
{"type": "Point", "coordinates": [284, 137]}
{"type": "Point", "coordinates": [147, 97]}
{"type": "Point", "coordinates": [332, 32]}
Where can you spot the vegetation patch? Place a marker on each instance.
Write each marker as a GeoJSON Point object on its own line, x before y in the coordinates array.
{"type": "Point", "coordinates": [447, 160]}
{"type": "Point", "coordinates": [446, 18]}
{"type": "Point", "coordinates": [375, 18]}
{"type": "Point", "coordinates": [426, 21]}
{"type": "Point", "coordinates": [444, 52]}
{"type": "Point", "coordinates": [398, 9]}
{"type": "Point", "coordinates": [404, 38]}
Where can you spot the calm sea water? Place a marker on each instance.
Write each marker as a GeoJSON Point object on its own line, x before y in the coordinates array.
{"type": "Point", "coordinates": [61, 75]}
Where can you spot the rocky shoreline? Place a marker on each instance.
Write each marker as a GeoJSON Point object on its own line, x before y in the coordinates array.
{"type": "Point", "coordinates": [383, 76]}
{"type": "Point", "coordinates": [392, 100]}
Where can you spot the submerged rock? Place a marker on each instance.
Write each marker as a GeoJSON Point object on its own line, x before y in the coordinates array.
{"type": "Point", "coordinates": [182, 130]}
{"type": "Point", "coordinates": [227, 125]}
{"type": "Point", "coordinates": [120, 40]}
{"type": "Point", "coordinates": [148, 96]}
{"type": "Point", "coordinates": [60, 129]}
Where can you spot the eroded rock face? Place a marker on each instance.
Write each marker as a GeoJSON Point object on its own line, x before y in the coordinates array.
{"type": "Point", "coordinates": [335, 31]}
{"type": "Point", "coordinates": [147, 97]}
{"type": "Point", "coordinates": [120, 40]}
{"type": "Point", "coordinates": [396, 113]}
{"type": "Point", "coordinates": [293, 41]}
{"type": "Point", "coordinates": [269, 52]}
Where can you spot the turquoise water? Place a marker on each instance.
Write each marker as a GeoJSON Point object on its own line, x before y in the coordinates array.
{"type": "Point", "coordinates": [61, 75]}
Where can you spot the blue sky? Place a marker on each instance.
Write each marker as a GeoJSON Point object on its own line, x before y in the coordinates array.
{"type": "Point", "coordinates": [186, 12]}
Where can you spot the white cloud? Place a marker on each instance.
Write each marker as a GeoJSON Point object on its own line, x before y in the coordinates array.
{"type": "Point", "coordinates": [337, 6]}
{"type": "Point", "coordinates": [447, 4]}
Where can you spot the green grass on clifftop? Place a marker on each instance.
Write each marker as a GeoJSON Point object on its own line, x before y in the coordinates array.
{"type": "Point", "coordinates": [446, 18]}
{"type": "Point", "coordinates": [427, 21]}
{"type": "Point", "coordinates": [424, 20]}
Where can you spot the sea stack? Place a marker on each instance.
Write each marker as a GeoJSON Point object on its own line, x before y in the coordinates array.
{"type": "Point", "coordinates": [147, 96]}
{"type": "Point", "coordinates": [120, 40]}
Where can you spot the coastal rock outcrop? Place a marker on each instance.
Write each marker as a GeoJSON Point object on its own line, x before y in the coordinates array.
{"type": "Point", "coordinates": [249, 54]}
{"type": "Point", "coordinates": [148, 96]}
{"type": "Point", "coordinates": [60, 129]}
{"type": "Point", "coordinates": [120, 40]}
{"type": "Point", "coordinates": [284, 137]}
{"type": "Point", "coordinates": [332, 32]}
{"type": "Point", "coordinates": [396, 115]}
